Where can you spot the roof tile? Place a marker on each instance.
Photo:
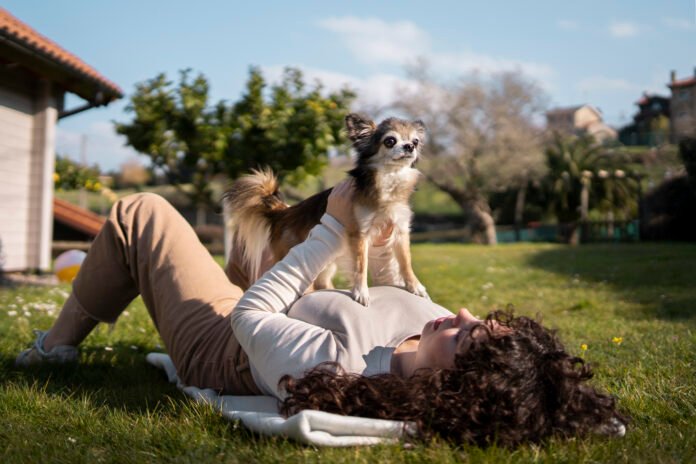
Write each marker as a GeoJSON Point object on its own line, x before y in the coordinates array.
{"type": "Point", "coordinates": [24, 34]}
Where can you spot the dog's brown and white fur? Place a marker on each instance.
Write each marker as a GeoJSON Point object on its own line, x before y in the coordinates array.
{"type": "Point", "coordinates": [384, 179]}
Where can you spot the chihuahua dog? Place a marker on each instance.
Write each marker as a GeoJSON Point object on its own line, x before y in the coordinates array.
{"type": "Point", "coordinates": [384, 179]}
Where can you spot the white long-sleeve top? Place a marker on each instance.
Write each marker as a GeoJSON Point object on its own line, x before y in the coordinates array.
{"type": "Point", "coordinates": [284, 332]}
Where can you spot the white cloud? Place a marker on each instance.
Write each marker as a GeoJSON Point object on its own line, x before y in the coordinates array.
{"type": "Point", "coordinates": [103, 146]}
{"type": "Point", "coordinates": [624, 29]}
{"type": "Point", "coordinates": [375, 90]}
{"type": "Point", "coordinates": [329, 79]}
{"type": "Point", "coordinates": [607, 84]}
{"type": "Point", "coordinates": [375, 41]}
{"type": "Point", "coordinates": [567, 24]}
{"type": "Point", "coordinates": [372, 40]}
{"type": "Point", "coordinates": [464, 62]}
{"type": "Point", "coordinates": [678, 23]}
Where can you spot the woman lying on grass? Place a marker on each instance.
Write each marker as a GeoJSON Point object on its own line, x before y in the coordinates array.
{"type": "Point", "coordinates": [504, 380]}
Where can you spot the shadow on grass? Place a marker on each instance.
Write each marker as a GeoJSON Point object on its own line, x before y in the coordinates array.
{"type": "Point", "coordinates": [119, 379]}
{"type": "Point", "coordinates": [658, 276]}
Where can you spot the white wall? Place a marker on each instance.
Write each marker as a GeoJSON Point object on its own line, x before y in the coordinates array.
{"type": "Point", "coordinates": [27, 142]}
{"type": "Point", "coordinates": [16, 139]}
{"type": "Point", "coordinates": [42, 166]}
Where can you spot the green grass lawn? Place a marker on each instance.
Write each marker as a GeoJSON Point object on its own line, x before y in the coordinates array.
{"type": "Point", "coordinates": [113, 407]}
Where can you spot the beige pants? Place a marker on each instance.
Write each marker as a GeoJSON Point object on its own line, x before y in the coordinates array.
{"type": "Point", "coordinates": [147, 248]}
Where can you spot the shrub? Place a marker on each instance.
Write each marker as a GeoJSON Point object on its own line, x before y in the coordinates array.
{"type": "Point", "coordinates": [687, 154]}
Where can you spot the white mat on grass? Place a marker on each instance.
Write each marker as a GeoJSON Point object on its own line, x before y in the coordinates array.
{"type": "Point", "coordinates": [260, 414]}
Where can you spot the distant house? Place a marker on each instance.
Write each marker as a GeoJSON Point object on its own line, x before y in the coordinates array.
{"type": "Point", "coordinates": [683, 106]}
{"type": "Point", "coordinates": [35, 74]}
{"type": "Point", "coordinates": [650, 124]}
{"type": "Point", "coordinates": [582, 119]}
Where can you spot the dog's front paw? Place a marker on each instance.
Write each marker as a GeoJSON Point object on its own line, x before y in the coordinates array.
{"type": "Point", "coordinates": [361, 295]}
{"type": "Point", "coordinates": [417, 288]}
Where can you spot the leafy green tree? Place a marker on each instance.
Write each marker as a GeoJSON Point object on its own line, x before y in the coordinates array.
{"type": "Point", "coordinates": [69, 175]}
{"type": "Point", "coordinates": [289, 128]}
{"type": "Point", "coordinates": [179, 130]}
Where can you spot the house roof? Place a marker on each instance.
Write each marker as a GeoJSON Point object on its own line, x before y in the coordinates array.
{"type": "Point", "coordinates": [682, 83]}
{"type": "Point", "coordinates": [648, 97]}
{"type": "Point", "coordinates": [22, 45]}
{"type": "Point", "coordinates": [571, 110]}
{"type": "Point", "coordinates": [563, 110]}
{"type": "Point", "coordinates": [77, 218]}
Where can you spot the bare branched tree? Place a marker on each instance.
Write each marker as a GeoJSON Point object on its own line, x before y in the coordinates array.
{"type": "Point", "coordinates": [483, 137]}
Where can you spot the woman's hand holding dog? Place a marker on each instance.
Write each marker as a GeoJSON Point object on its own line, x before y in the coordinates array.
{"type": "Point", "coordinates": [340, 204]}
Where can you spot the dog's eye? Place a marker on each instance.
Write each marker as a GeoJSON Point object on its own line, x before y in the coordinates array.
{"type": "Point", "coordinates": [415, 142]}
{"type": "Point", "coordinates": [389, 142]}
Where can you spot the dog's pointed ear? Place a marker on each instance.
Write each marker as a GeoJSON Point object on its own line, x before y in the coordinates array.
{"type": "Point", "coordinates": [359, 127]}
{"type": "Point", "coordinates": [421, 129]}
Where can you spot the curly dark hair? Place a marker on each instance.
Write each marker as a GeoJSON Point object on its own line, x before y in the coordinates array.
{"type": "Point", "coordinates": [508, 387]}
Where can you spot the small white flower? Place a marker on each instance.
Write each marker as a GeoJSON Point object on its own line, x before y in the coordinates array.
{"type": "Point", "coordinates": [108, 348]}
{"type": "Point", "coordinates": [125, 313]}
{"type": "Point", "coordinates": [72, 440]}
{"type": "Point", "coordinates": [134, 348]}
{"type": "Point", "coordinates": [12, 313]}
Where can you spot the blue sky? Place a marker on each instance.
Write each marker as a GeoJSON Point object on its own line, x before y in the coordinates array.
{"type": "Point", "coordinates": [605, 53]}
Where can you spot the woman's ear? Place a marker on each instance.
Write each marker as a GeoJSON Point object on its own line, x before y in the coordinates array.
{"type": "Point", "coordinates": [359, 127]}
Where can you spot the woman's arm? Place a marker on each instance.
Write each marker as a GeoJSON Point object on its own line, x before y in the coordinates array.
{"type": "Point", "coordinates": [276, 344]}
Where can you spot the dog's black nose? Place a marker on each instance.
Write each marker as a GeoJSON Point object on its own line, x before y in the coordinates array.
{"type": "Point", "coordinates": [409, 147]}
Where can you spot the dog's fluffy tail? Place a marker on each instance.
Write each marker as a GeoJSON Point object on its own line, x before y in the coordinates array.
{"type": "Point", "coordinates": [247, 205]}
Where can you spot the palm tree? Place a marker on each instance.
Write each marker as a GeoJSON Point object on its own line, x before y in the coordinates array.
{"type": "Point", "coordinates": [571, 162]}
{"type": "Point", "coordinates": [581, 174]}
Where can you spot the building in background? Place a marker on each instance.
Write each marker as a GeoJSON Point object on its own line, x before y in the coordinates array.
{"type": "Point", "coordinates": [35, 75]}
{"type": "Point", "coordinates": [682, 106]}
{"type": "Point", "coordinates": [650, 124]}
{"type": "Point", "coordinates": [579, 120]}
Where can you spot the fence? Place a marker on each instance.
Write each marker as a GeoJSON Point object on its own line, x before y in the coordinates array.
{"type": "Point", "coordinates": [588, 232]}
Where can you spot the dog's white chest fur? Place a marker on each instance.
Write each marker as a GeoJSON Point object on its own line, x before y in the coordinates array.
{"type": "Point", "coordinates": [394, 189]}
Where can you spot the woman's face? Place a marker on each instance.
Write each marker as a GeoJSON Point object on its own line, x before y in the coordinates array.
{"type": "Point", "coordinates": [444, 337]}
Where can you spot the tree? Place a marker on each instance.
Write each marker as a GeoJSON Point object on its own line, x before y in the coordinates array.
{"type": "Point", "coordinates": [133, 174]}
{"type": "Point", "coordinates": [582, 175]}
{"type": "Point", "coordinates": [482, 138]}
{"type": "Point", "coordinates": [290, 131]}
{"type": "Point", "coordinates": [181, 133]}
{"type": "Point", "coordinates": [571, 163]}
{"type": "Point", "coordinates": [69, 175]}
{"type": "Point", "coordinates": [687, 154]}
{"type": "Point", "coordinates": [191, 140]}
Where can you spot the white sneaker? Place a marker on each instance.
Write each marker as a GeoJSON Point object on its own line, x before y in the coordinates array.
{"type": "Point", "coordinates": [36, 355]}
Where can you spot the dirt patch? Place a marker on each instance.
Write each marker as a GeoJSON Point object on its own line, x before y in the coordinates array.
{"type": "Point", "coordinates": [13, 279]}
